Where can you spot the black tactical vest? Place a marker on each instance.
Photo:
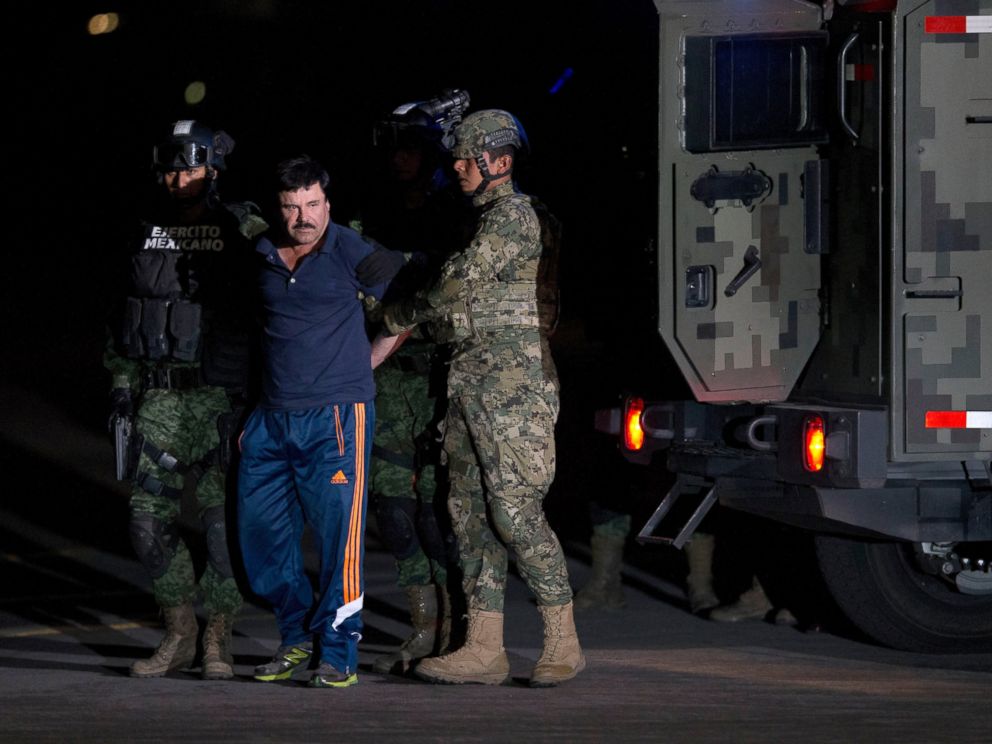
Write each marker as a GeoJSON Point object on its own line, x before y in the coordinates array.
{"type": "Point", "coordinates": [190, 295]}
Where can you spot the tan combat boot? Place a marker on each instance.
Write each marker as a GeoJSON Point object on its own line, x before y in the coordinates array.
{"type": "Point", "coordinates": [423, 617]}
{"type": "Point", "coordinates": [481, 660]}
{"type": "Point", "coordinates": [217, 660]}
{"type": "Point", "coordinates": [699, 582]}
{"type": "Point", "coordinates": [177, 649]}
{"type": "Point", "coordinates": [752, 605]}
{"type": "Point", "coordinates": [604, 589]}
{"type": "Point", "coordinates": [562, 657]}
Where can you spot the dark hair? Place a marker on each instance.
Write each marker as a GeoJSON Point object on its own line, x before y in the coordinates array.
{"type": "Point", "coordinates": [300, 172]}
{"type": "Point", "coordinates": [510, 150]}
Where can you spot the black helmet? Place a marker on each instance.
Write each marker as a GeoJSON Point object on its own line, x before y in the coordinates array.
{"type": "Point", "coordinates": [423, 124]}
{"type": "Point", "coordinates": [407, 127]}
{"type": "Point", "coordinates": [191, 144]}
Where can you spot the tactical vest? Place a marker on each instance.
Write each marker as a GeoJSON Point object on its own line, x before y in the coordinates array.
{"type": "Point", "coordinates": [160, 319]}
{"type": "Point", "coordinates": [182, 305]}
{"type": "Point", "coordinates": [503, 305]}
{"type": "Point", "coordinates": [531, 301]}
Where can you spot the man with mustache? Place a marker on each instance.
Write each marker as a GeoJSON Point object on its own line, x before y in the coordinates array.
{"type": "Point", "coordinates": [306, 447]}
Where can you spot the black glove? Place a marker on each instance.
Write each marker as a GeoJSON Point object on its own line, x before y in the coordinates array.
{"type": "Point", "coordinates": [381, 265]}
{"type": "Point", "coordinates": [121, 406]}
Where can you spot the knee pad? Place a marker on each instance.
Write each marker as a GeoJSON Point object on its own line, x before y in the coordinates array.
{"type": "Point", "coordinates": [214, 527]}
{"type": "Point", "coordinates": [154, 542]}
{"type": "Point", "coordinates": [429, 531]}
{"type": "Point", "coordinates": [397, 525]}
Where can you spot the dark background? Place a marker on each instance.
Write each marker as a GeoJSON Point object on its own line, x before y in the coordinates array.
{"type": "Point", "coordinates": [289, 76]}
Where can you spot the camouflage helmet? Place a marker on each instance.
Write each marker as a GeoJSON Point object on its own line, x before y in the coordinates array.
{"type": "Point", "coordinates": [486, 130]}
{"type": "Point", "coordinates": [191, 144]}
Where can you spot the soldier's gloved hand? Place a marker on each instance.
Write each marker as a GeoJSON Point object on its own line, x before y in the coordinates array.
{"type": "Point", "coordinates": [121, 406]}
{"type": "Point", "coordinates": [380, 266]}
{"type": "Point", "coordinates": [397, 317]}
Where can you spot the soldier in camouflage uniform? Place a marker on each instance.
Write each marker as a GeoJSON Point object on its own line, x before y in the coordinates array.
{"type": "Point", "coordinates": [414, 207]}
{"type": "Point", "coordinates": [179, 358]}
{"type": "Point", "coordinates": [502, 407]}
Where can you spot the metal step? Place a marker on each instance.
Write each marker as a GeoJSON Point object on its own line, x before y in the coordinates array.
{"type": "Point", "coordinates": [647, 536]}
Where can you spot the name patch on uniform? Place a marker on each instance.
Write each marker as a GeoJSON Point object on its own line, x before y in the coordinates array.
{"type": "Point", "coordinates": [184, 238]}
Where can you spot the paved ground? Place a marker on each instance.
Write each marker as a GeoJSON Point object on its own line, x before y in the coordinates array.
{"type": "Point", "coordinates": [655, 673]}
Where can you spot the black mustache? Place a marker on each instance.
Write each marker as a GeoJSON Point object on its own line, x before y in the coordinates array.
{"type": "Point", "coordinates": [301, 225]}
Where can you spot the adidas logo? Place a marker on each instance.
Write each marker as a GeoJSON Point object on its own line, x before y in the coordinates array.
{"type": "Point", "coordinates": [339, 479]}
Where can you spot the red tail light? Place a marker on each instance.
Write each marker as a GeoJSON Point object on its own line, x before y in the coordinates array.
{"type": "Point", "coordinates": [814, 443]}
{"type": "Point", "coordinates": [633, 434]}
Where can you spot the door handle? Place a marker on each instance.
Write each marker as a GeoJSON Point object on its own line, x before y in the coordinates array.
{"type": "Point", "coordinates": [752, 262]}
{"type": "Point", "coordinates": [842, 85]}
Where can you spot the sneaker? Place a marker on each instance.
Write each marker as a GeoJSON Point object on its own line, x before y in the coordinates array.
{"type": "Point", "coordinates": [284, 663]}
{"type": "Point", "coordinates": [328, 676]}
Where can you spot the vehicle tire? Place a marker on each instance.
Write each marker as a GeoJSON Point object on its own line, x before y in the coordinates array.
{"type": "Point", "coordinates": [881, 589]}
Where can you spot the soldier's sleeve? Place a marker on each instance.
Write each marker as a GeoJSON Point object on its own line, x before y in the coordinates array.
{"type": "Point", "coordinates": [124, 372]}
{"type": "Point", "coordinates": [496, 242]}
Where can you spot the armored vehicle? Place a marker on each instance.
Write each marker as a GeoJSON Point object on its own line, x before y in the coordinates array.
{"type": "Point", "coordinates": [824, 253]}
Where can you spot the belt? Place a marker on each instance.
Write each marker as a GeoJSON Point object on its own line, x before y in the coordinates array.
{"type": "Point", "coordinates": [173, 378]}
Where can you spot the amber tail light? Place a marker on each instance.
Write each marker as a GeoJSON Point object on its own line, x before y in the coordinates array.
{"type": "Point", "coordinates": [814, 443]}
{"type": "Point", "coordinates": [633, 433]}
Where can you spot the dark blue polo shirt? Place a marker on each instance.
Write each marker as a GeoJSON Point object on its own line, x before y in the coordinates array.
{"type": "Point", "coordinates": [316, 349]}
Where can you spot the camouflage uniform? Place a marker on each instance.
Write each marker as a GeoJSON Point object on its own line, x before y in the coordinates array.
{"type": "Point", "coordinates": [502, 402]}
{"type": "Point", "coordinates": [183, 423]}
{"type": "Point", "coordinates": [404, 465]}
{"type": "Point", "coordinates": [178, 415]}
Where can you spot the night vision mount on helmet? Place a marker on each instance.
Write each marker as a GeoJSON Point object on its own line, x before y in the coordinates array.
{"type": "Point", "coordinates": [191, 144]}
{"type": "Point", "coordinates": [427, 123]}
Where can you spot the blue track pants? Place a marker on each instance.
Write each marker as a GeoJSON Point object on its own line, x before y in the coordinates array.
{"type": "Point", "coordinates": [309, 467]}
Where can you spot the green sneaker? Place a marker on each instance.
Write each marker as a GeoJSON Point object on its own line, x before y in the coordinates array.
{"type": "Point", "coordinates": [328, 676]}
{"type": "Point", "coordinates": [284, 663]}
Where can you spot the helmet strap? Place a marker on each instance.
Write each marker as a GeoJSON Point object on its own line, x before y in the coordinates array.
{"type": "Point", "coordinates": [487, 177]}
{"type": "Point", "coordinates": [212, 197]}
